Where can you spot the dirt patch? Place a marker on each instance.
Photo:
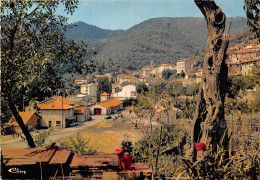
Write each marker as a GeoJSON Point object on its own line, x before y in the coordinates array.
{"type": "Point", "coordinates": [106, 135]}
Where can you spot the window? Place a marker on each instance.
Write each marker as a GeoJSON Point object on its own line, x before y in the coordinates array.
{"type": "Point", "coordinates": [57, 123]}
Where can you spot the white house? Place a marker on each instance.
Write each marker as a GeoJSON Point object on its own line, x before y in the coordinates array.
{"type": "Point", "coordinates": [128, 91]}
{"type": "Point", "coordinates": [107, 107]}
{"type": "Point", "coordinates": [89, 89]}
{"type": "Point", "coordinates": [82, 113]}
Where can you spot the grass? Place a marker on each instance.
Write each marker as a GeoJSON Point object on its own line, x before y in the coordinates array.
{"type": "Point", "coordinates": [106, 135]}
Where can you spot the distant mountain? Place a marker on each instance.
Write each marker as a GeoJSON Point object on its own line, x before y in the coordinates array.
{"type": "Point", "coordinates": [164, 40]}
{"type": "Point", "coordinates": [81, 30]}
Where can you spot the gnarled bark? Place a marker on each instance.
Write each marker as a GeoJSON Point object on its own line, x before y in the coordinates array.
{"type": "Point", "coordinates": [209, 122]}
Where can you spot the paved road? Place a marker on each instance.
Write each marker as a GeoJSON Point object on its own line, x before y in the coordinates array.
{"type": "Point", "coordinates": [55, 135]}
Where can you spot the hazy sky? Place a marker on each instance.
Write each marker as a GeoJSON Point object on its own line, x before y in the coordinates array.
{"type": "Point", "coordinates": [123, 14]}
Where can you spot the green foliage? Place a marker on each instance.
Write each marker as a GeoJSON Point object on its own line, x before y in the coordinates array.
{"type": "Point", "coordinates": [167, 73]}
{"type": "Point", "coordinates": [33, 50]}
{"type": "Point", "coordinates": [175, 89]}
{"type": "Point", "coordinates": [237, 83]}
{"type": "Point", "coordinates": [216, 166]}
{"type": "Point", "coordinates": [104, 85]}
{"type": "Point", "coordinates": [127, 146]}
{"type": "Point", "coordinates": [252, 13]}
{"type": "Point", "coordinates": [141, 87]}
{"type": "Point", "coordinates": [173, 138]}
{"type": "Point", "coordinates": [41, 138]}
{"type": "Point", "coordinates": [186, 106]}
{"type": "Point", "coordinates": [79, 144]}
{"type": "Point", "coordinates": [192, 90]}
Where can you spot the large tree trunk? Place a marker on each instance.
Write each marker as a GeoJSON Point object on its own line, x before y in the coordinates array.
{"type": "Point", "coordinates": [21, 123]}
{"type": "Point", "coordinates": [210, 126]}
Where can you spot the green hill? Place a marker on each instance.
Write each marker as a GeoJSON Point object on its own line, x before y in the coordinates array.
{"type": "Point", "coordinates": [164, 40]}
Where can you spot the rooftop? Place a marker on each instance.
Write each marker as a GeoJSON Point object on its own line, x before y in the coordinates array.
{"type": "Point", "coordinates": [252, 60]}
{"type": "Point", "coordinates": [55, 105]}
{"type": "Point", "coordinates": [25, 117]}
{"type": "Point", "coordinates": [111, 103]}
{"type": "Point", "coordinates": [105, 94]}
{"type": "Point", "coordinates": [246, 51]}
{"type": "Point", "coordinates": [80, 110]}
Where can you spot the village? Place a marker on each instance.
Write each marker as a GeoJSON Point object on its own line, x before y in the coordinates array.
{"type": "Point", "coordinates": [64, 112]}
{"type": "Point", "coordinates": [163, 94]}
{"type": "Point", "coordinates": [80, 111]}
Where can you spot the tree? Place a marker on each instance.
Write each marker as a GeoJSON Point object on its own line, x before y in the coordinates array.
{"type": "Point", "coordinates": [167, 73]}
{"type": "Point", "coordinates": [34, 48]}
{"type": "Point", "coordinates": [252, 13]}
{"type": "Point", "coordinates": [141, 87]}
{"type": "Point", "coordinates": [104, 85]}
{"type": "Point", "coordinates": [210, 126]}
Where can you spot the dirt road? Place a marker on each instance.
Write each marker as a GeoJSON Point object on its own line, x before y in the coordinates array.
{"type": "Point", "coordinates": [55, 135]}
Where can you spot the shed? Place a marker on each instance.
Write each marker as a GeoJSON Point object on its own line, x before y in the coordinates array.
{"type": "Point", "coordinates": [30, 119]}
{"type": "Point", "coordinates": [81, 113]}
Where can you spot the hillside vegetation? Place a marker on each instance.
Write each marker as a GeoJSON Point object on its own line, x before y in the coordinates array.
{"type": "Point", "coordinates": [164, 40]}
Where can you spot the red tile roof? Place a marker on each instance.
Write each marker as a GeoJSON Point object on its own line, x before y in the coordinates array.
{"type": "Point", "coordinates": [55, 105]}
{"type": "Point", "coordinates": [112, 103]}
{"type": "Point", "coordinates": [26, 116]}
{"type": "Point", "coordinates": [65, 100]}
{"type": "Point", "coordinates": [105, 94]}
{"type": "Point", "coordinates": [246, 51]}
{"type": "Point", "coordinates": [199, 70]}
{"type": "Point", "coordinates": [80, 110]}
{"type": "Point", "coordinates": [233, 63]}
{"type": "Point", "coordinates": [252, 60]}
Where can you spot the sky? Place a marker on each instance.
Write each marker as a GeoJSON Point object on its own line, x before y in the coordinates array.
{"type": "Point", "coordinates": [123, 14]}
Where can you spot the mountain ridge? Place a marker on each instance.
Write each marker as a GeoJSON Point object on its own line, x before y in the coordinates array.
{"type": "Point", "coordinates": [164, 40]}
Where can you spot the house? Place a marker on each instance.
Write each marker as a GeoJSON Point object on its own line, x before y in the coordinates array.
{"type": "Point", "coordinates": [81, 114]}
{"type": "Point", "coordinates": [81, 81]}
{"type": "Point", "coordinates": [163, 116]}
{"type": "Point", "coordinates": [121, 78]}
{"type": "Point", "coordinates": [198, 75]}
{"type": "Point", "coordinates": [57, 98]}
{"type": "Point", "coordinates": [243, 55]}
{"type": "Point", "coordinates": [128, 91]}
{"type": "Point", "coordinates": [104, 97]}
{"type": "Point", "coordinates": [143, 78]}
{"type": "Point", "coordinates": [184, 65]}
{"type": "Point", "coordinates": [31, 121]}
{"type": "Point", "coordinates": [163, 67]}
{"type": "Point", "coordinates": [234, 68]}
{"type": "Point", "coordinates": [89, 89]}
{"type": "Point", "coordinates": [57, 114]}
{"type": "Point", "coordinates": [247, 65]}
{"type": "Point", "coordinates": [115, 89]}
{"type": "Point", "coordinates": [148, 71]}
{"type": "Point", "coordinates": [107, 107]}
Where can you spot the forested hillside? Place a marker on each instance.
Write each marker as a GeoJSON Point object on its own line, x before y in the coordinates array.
{"type": "Point", "coordinates": [164, 40]}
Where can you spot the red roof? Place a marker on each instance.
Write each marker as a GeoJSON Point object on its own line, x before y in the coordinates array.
{"type": "Point", "coordinates": [252, 60]}
{"type": "Point", "coordinates": [105, 94]}
{"type": "Point", "coordinates": [80, 110]}
{"type": "Point", "coordinates": [199, 70]}
{"type": "Point", "coordinates": [26, 116]}
{"type": "Point", "coordinates": [233, 63]}
{"type": "Point", "coordinates": [112, 103]}
{"type": "Point", "coordinates": [55, 105]}
{"type": "Point", "coordinates": [246, 51]}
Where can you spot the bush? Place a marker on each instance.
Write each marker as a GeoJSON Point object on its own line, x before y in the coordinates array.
{"type": "Point", "coordinates": [173, 139]}
{"type": "Point", "coordinates": [79, 144]}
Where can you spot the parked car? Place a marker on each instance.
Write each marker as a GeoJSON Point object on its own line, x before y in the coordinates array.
{"type": "Point", "coordinates": [108, 117]}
